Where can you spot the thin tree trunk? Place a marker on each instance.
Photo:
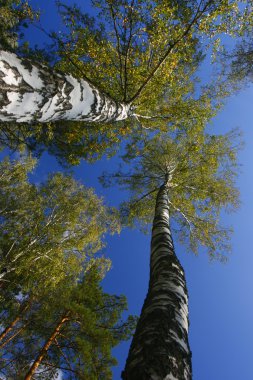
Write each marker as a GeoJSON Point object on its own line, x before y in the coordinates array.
{"type": "Point", "coordinates": [31, 92]}
{"type": "Point", "coordinates": [160, 348]}
{"type": "Point", "coordinates": [46, 347]}
{"type": "Point", "coordinates": [8, 329]}
{"type": "Point", "coordinates": [13, 336]}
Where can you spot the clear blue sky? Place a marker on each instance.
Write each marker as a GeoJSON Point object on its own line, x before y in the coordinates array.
{"type": "Point", "coordinates": [220, 296]}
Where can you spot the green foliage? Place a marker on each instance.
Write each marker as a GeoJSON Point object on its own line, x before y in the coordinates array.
{"type": "Point", "coordinates": [237, 65]}
{"type": "Point", "coordinates": [69, 142]}
{"type": "Point", "coordinates": [143, 52]}
{"type": "Point", "coordinates": [234, 59]}
{"type": "Point", "coordinates": [50, 236]}
{"type": "Point", "coordinates": [200, 172]}
{"type": "Point", "coordinates": [50, 229]}
{"type": "Point", "coordinates": [136, 39]}
{"type": "Point", "coordinates": [82, 349]}
{"type": "Point", "coordinates": [14, 14]}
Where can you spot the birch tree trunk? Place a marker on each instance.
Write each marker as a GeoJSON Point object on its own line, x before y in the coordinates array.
{"type": "Point", "coordinates": [31, 92]}
{"type": "Point", "coordinates": [160, 348]}
{"type": "Point", "coordinates": [46, 347]}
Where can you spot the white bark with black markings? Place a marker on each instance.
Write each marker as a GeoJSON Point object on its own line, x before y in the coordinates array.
{"type": "Point", "coordinates": [31, 92]}
{"type": "Point", "coordinates": [160, 348]}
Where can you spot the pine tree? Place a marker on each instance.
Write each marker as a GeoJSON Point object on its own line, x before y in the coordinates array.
{"type": "Point", "coordinates": [71, 328]}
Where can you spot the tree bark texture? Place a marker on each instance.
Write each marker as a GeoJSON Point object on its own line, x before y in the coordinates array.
{"type": "Point", "coordinates": [31, 92]}
{"type": "Point", "coordinates": [160, 348]}
{"type": "Point", "coordinates": [45, 348]}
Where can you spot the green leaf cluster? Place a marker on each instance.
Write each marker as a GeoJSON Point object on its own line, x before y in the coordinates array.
{"type": "Point", "coordinates": [14, 15]}
{"type": "Point", "coordinates": [50, 229]}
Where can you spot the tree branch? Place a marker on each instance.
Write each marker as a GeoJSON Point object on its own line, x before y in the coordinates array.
{"type": "Point", "coordinates": [127, 50]}
{"type": "Point", "coordinates": [196, 17]}
{"type": "Point", "coordinates": [184, 216]}
{"type": "Point", "coordinates": [118, 45]}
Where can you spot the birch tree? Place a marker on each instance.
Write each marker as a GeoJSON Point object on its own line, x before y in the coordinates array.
{"type": "Point", "coordinates": [117, 70]}
{"type": "Point", "coordinates": [48, 229]}
{"type": "Point", "coordinates": [184, 184]}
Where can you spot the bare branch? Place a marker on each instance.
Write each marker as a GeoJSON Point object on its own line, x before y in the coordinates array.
{"type": "Point", "coordinates": [146, 195]}
{"type": "Point", "coordinates": [183, 214]}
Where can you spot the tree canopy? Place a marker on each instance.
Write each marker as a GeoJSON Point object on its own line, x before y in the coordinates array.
{"type": "Point", "coordinates": [15, 16]}
{"type": "Point", "coordinates": [137, 68]}
{"type": "Point", "coordinates": [53, 309]}
{"type": "Point", "coordinates": [200, 170]}
{"type": "Point", "coordinates": [54, 226]}
{"type": "Point", "coordinates": [139, 53]}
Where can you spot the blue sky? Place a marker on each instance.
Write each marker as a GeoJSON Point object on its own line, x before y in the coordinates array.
{"type": "Point", "coordinates": [220, 296]}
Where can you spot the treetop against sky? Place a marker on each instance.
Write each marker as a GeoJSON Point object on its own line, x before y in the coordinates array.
{"type": "Point", "coordinates": [200, 171]}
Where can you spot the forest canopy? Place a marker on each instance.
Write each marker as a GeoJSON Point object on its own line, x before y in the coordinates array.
{"type": "Point", "coordinates": [117, 77]}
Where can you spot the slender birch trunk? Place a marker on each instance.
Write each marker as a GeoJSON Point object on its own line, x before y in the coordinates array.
{"type": "Point", "coordinates": [31, 92]}
{"type": "Point", "coordinates": [46, 347]}
{"type": "Point", "coordinates": [160, 348]}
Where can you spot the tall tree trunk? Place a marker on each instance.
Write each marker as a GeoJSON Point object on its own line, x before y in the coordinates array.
{"type": "Point", "coordinates": [31, 92]}
{"type": "Point", "coordinates": [160, 348]}
{"type": "Point", "coordinates": [46, 347]}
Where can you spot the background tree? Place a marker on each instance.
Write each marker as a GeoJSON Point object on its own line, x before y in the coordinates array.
{"type": "Point", "coordinates": [189, 180]}
{"type": "Point", "coordinates": [233, 61]}
{"type": "Point", "coordinates": [53, 226]}
{"type": "Point", "coordinates": [71, 329]}
{"type": "Point", "coordinates": [52, 305]}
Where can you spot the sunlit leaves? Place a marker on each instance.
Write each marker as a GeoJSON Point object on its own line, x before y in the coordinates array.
{"type": "Point", "coordinates": [51, 234]}
{"type": "Point", "coordinates": [124, 56]}
{"type": "Point", "coordinates": [147, 52]}
{"type": "Point", "coordinates": [200, 171]}
{"type": "Point", "coordinates": [49, 230]}
{"type": "Point", "coordinates": [140, 42]}
{"type": "Point", "coordinates": [14, 14]}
